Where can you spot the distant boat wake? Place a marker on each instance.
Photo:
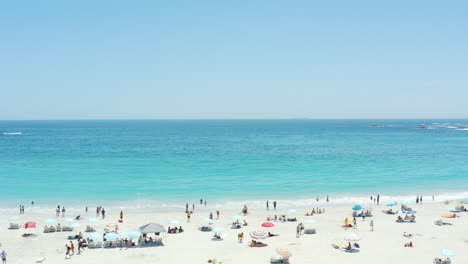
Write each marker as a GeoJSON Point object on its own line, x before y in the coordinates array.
{"type": "Point", "coordinates": [12, 133]}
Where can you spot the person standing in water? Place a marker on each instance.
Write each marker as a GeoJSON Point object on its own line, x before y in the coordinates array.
{"type": "Point", "coordinates": [328, 200]}
{"type": "Point", "coordinates": [121, 215]}
{"type": "Point", "coordinates": [274, 205]}
{"type": "Point", "coordinates": [267, 206]}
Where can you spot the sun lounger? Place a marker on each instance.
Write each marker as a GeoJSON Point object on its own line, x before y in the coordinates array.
{"type": "Point", "coordinates": [441, 223]}
{"type": "Point", "coordinates": [46, 229]}
{"type": "Point", "coordinates": [14, 226]}
{"type": "Point", "coordinates": [90, 229]}
{"type": "Point", "coordinates": [51, 229]}
{"type": "Point", "coordinates": [310, 231]}
{"type": "Point", "coordinates": [275, 260]}
{"type": "Point", "coordinates": [206, 228]}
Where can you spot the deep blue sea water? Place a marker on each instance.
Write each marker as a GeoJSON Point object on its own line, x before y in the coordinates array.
{"type": "Point", "coordinates": [54, 162]}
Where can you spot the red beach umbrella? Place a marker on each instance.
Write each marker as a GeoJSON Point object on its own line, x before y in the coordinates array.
{"type": "Point", "coordinates": [268, 224]}
{"type": "Point", "coordinates": [30, 225]}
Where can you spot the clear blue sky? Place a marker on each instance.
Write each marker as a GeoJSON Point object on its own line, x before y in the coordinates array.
{"type": "Point", "coordinates": [236, 59]}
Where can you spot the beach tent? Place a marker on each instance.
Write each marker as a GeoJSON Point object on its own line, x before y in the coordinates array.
{"type": "Point", "coordinates": [152, 228]}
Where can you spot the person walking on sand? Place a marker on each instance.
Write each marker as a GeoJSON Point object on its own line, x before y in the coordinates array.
{"type": "Point", "coordinates": [211, 215]}
{"type": "Point", "coordinates": [86, 209]}
{"type": "Point", "coordinates": [72, 248]}
{"type": "Point", "coordinates": [201, 201]}
{"type": "Point", "coordinates": [205, 203]}
{"type": "Point", "coordinates": [186, 207]}
{"type": "Point", "coordinates": [121, 215]}
{"type": "Point", "coordinates": [274, 205]}
{"type": "Point", "coordinates": [354, 223]}
{"type": "Point", "coordinates": [298, 231]}
{"type": "Point", "coordinates": [3, 255]}
{"type": "Point", "coordinates": [63, 211]}
{"type": "Point", "coordinates": [188, 216]}
{"type": "Point", "coordinates": [68, 252]}
{"type": "Point", "coordinates": [193, 207]}
{"type": "Point", "coordinates": [103, 212]}
{"type": "Point", "coordinates": [417, 199]}
{"type": "Point", "coordinates": [378, 199]}
{"type": "Point", "coordinates": [217, 214]}
{"type": "Point", "coordinates": [267, 206]}
{"type": "Point", "coordinates": [372, 225]}
{"type": "Point", "coordinates": [420, 199]}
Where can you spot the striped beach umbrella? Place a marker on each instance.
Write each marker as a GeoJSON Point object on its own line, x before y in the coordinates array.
{"type": "Point", "coordinates": [283, 252]}
{"type": "Point", "coordinates": [259, 234]}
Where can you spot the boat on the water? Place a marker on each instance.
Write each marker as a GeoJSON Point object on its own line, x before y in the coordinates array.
{"type": "Point", "coordinates": [423, 126]}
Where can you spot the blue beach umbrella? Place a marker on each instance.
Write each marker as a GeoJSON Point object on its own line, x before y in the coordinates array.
{"type": "Point", "coordinates": [75, 225]}
{"type": "Point", "coordinates": [411, 212]}
{"type": "Point", "coordinates": [111, 236]}
{"type": "Point", "coordinates": [237, 217]}
{"type": "Point", "coordinates": [13, 218]}
{"type": "Point", "coordinates": [51, 221]}
{"type": "Point", "coordinates": [95, 236]}
{"type": "Point", "coordinates": [357, 207]}
{"type": "Point", "coordinates": [174, 222]}
{"type": "Point", "coordinates": [217, 230]}
{"type": "Point", "coordinates": [208, 220]}
{"type": "Point", "coordinates": [447, 253]}
{"type": "Point", "coordinates": [123, 234]}
{"type": "Point", "coordinates": [292, 211]}
{"type": "Point", "coordinates": [391, 204]}
{"type": "Point", "coordinates": [310, 221]}
{"type": "Point", "coordinates": [134, 234]}
{"type": "Point", "coordinates": [451, 209]}
{"type": "Point", "coordinates": [69, 219]}
{"type": "Point", "coordinates": [92, 220]}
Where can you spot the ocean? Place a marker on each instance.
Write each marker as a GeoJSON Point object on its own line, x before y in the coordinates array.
{"type": "Point", "coordinates": [165, 163]}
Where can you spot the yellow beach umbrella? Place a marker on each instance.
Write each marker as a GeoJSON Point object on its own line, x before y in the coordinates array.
{"type": "Point", "coordinates": [348, 220]}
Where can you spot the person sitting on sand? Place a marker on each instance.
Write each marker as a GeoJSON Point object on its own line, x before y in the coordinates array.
{"type": "Point", "coordinates": [335, 246]}
{"type": "Point", "coordinates": [348, 247]}
{"type": "Point", "coordinates": [307, 214]}
{"type": "Point", "coordinates": [240, 237]}
{"type": "Point", "coordinates": [245, 223]}
{"type": "Point", "coordinates": [356, 245]}
{"type": "Point", "coordinates": [410, 244]}
{"type": "Point", "coordinates": [180, 229]}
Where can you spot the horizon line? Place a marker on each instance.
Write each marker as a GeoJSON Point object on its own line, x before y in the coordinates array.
{"type": "Point", "coordinates": [240, 119]}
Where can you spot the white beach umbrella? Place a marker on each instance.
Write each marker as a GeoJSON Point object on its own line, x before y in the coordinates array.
{"type": "Point", "coordinates": [352, 237]}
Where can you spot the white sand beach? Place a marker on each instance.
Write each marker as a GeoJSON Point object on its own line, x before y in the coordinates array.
{"type": "Point", "coordinates": [384, 245]}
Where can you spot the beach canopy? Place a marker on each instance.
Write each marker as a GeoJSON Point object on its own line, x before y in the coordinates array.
{"type": "Point", "coordinates": [13, 218]}
{"type": "Point", "coordinates": [268, 224]}
{"type": "Point", "coordinates": [259, 234]}
{"type": "Point", "coordinates": [174, 222]}
{"type": "Point", "coordinates": [217, 230]}
{"type": "Point", "coordinates": [447, 253]}
{"type": "Point", "coordinates": [30, 225]}
{"type": "Point", "coordinates": [391, 204]}
{"type": "Point", "coordinates": [111, 236]}
{"type": "Point", "coordinates": [237, 217]}
{"type": "Point", "coordinates": [292, 211]}
{"type": "Point", "coordinates": [352, 237]}
{"type": "Point", "coordinates": [283, 252]}
{"type": "Point", "coordinates": [95, 236]}
{"type": "Point", "coordinates": [448, 215]}
{"type": "Point", "coordinates": [134, 234]}
{"type": "Point", "coordinates": [357, 207]}
{"type": "Point", "coordinates": [152, 228]}
{"type": "Point", "coordinates": [92, 220]}
{"type": "Point", "coordinates": [51, 221]}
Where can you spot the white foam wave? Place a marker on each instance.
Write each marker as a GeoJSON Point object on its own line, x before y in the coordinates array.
{"type": "Point", "coordinates": [12, 133]}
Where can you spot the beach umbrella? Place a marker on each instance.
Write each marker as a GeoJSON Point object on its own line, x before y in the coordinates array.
{"type": "Point", "coordinates": [95, 236]}
{"type": "Point", "coordinates": [347, 220]}
{"type": "Point", "coordinates": [123, 234]}
{"type": "Point", "coordinates": [259, 234]}
{"type": "Point", "coordinates": [447, 253]}
{"type": "Point", "coordinates": [30, 225]}
{"type": "Point", "coordinates": [69, 219]}
{"type": "Point", "coordinates": [464, 202]}
{"type": "Point", "coordinates": [152, 228]}
{"type": "Point", "coordinates": [236, 217]}
{"type": "Point", "coordinates": [217, 230]}
{"type": "Point", "coordinates": [447, 215]}
{"type": "Point", "coordinates": [292, 211]}
{"type": "Point", "coordinates": [268, 224]}
{"type": "Point", "coordinates": [110, 225]}
{"type": "Point", "coordinates": [311, 221]}
{"type": "Point", "coordinates": [208, 220]}
{"type": "Point", "coordinates": [352, 237]}
{"type": "Point", "coordinates": [92, 220]}
{"type": "Point", "coordinates": [51, 221]}
{"type": "Point", "coordinates": [391, 204]}
{"type": "Point", "coordinates": [75, 225]}
{"type": "Point", "coordinates": [451, 209]}
{"type": "Point", "coordinates": [111, 236]}
{"type": "Point", "coordinates": [13, 218]}
{"type": "Point", "coordinates": [283, 252]}
{"type": "Point", "coordinates": [411, 212]}
{"type": "Point", "coordinates": [134, 234]}
{"type": "Point", "coordinates": [174, 222]}
{"type": "Point", "coordinates": [357, 208]}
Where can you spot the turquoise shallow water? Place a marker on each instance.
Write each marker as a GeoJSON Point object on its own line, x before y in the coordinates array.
{"type": "Point", "coordinates": [63, 161]}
